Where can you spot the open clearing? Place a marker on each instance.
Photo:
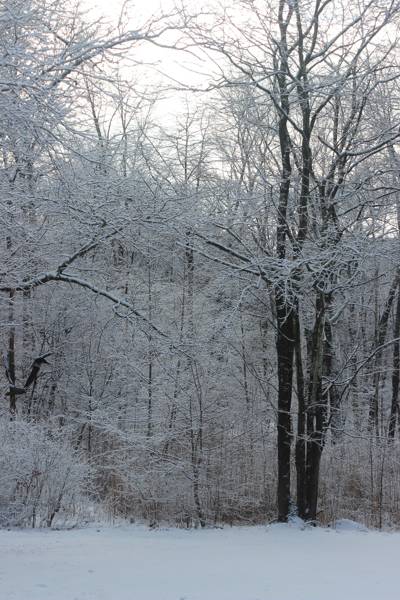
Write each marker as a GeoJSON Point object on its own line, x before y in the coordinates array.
{"type": "Point", "coordinates": [278, 562]}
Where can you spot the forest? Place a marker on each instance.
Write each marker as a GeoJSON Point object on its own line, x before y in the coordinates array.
{"type": "Point", "coordinates": [200, 311]}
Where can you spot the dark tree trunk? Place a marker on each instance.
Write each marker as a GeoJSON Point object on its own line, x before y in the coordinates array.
{"type": "Point", "coordinates": [336, 418]}
{"type": "Point", "coordinates": [314, 452]}
{"type": "Point", "coordinates": [394, 410]}
{"type": "Point", "coordinates": [285, 346]}
{"type": "Point", "coordinates": [381, 332]}
{"type": "Point", "coordinates": [11, 357]}
{"type": "Point", "coordinates": [285, 343]}
{"type": "Point", "coordinates": [301, 426]}
{"type": "Point", "coordinates": [316, 413]}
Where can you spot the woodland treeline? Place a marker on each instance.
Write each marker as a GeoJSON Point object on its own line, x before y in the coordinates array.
{"type": "Point", "coordinates": [200, 315]}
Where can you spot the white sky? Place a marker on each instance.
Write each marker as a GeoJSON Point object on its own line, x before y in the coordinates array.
{"type": "Point", "coordinates": [112, 8]}
{"type": "Point", "coordinates": [173, 64]}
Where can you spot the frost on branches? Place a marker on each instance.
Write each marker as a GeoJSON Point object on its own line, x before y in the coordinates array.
{"type": "Point", "coordinates": [200, 314]}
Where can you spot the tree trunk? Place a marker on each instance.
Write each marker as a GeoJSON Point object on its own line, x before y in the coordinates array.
{"type": "Point", "coordinates": [394, 410]}
{"type": "Point", "coordinates": [11, 356]}
{"type": "Point", "coordinates": [373, 420]}
{"type": "Point", "coordinates": [316, 413]}
{"type": "Point", "coordinates": [285, 346]}
{"type": "Point", "coordinates": [301, 427]}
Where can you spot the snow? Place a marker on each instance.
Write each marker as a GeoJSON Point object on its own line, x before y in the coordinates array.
{"type": "Point", "coordinates": [279, 562]}
{"type": "Point", "coordinates": [348, 525]}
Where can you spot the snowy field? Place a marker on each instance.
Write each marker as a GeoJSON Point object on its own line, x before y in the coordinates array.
{"type": "Point", "coordinates": [260, 563]}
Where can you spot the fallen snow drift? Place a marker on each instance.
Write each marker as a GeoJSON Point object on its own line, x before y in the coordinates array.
{"type": "Point", "coordinates": [260, 563]}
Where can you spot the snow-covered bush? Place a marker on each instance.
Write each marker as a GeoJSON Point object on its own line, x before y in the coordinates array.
{"type": "Point", "coordinates": [41, 475]}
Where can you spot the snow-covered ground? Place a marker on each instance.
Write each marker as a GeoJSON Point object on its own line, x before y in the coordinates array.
{"type": "Point", "coordinates": [260, 563]}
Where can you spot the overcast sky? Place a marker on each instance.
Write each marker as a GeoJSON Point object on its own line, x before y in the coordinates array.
{"type": "Point", "coordinates": [168, 65]}
{"type": "Point", "coordinates": [113, 7]}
